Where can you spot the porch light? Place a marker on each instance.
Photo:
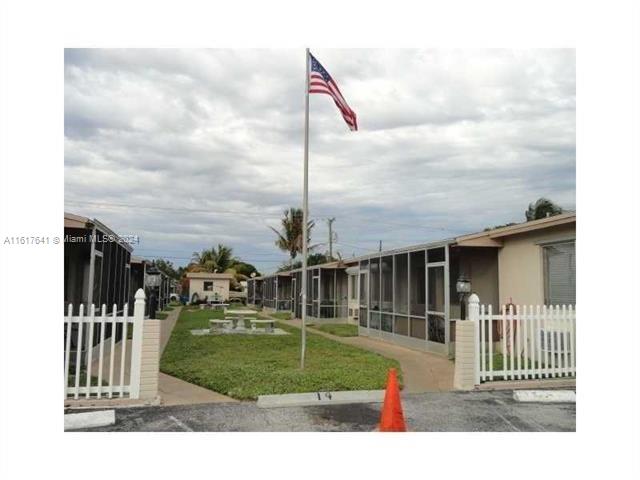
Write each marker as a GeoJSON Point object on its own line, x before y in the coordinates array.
{"type": "Point", "coordinates": [463, 285]}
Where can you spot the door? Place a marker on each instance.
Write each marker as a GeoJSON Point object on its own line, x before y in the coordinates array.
{"type": "Point", "coordinates": [293, 296]}
{"type": "Point", "coordinates": [315, 309]}
{"type": "Point", "coordinates": [352, 295]}
{"type": "Point", "coordinates": [363, 300]}
{"type": "Point", "coordinates": [436, 308]}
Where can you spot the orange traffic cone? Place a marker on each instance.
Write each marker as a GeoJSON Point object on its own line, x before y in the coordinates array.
{"type": "Point", "coordinates": [392, 419]}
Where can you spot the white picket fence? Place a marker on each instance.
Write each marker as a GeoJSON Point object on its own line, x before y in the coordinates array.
{"type": "Point", "coordinates": [531, 342]}
{"type": "Point", "coordinates": [110, 371]}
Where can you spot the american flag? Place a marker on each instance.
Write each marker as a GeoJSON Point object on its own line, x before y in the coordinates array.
{"type": "Point", "coordinates": [321, 82]}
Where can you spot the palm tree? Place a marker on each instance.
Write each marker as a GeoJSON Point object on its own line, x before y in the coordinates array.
{"type": "Point", "coordinates": [289, 239]}
{"type": "Point", "coordinates": [213, 259]}
{"type": "Point", "coordinates": [542, 208]}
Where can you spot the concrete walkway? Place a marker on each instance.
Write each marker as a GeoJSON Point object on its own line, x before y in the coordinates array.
{"type": "Point", "coordinates": [174, 391]}
{"type": "Point", "coordinates": [421, 371]}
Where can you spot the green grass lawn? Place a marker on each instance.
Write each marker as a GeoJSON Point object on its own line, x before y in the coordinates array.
{"type": "Point", "coordinates": [83, 380]}
{"type": "Point", "coordinates": [167, 309]}
{"type": "Point", "coordinates": [280, 315]}
{"type": "Point", "coordinates": [339, 329]}
{"type": "Point", "coordinates": [238, 306]}
{"type": "Point", "coordinates": [161, 316]}
{"type": "Point", "coordinates": [499, 360]}
{"type": "Point", "coordinates": [245, 366]}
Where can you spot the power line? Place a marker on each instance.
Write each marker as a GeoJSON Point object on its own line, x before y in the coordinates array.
{"type": "Point", "coordinates": [162, 252]}
{"type": "Point", "coordinates": [320, 216]}
{"type": "Point", "coordinates": [172, 209]}
{"type": "Point", "coordinates": [356, 246]}
{"type": "Point", "coordinates": [149, 257]}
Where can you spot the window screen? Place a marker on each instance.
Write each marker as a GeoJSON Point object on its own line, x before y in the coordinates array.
{"type": "Point", "coordinates": [560, 273]}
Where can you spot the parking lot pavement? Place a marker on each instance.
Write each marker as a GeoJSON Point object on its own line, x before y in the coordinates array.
{"type": "Point", "coordinates": [428, 412]}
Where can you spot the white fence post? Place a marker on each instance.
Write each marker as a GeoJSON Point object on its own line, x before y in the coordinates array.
{"type": "Point", "coordinates": [136, 343]}
{"type": "Point", "coordinates": [474, 316]}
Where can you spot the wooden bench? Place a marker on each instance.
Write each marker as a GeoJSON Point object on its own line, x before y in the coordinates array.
{"type": "Point", "coordinates": [270, 324]}
{"type": "Point", "coordinates": [215, 324]}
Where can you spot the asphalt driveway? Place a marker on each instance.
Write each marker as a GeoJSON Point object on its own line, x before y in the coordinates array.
{"type": "Point", "coordinates": [428, 412]}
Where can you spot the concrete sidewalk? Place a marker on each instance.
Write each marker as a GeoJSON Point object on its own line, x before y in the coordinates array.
{"type": "Point", "coordinates": [174, 391]}
{"type": "Point", "coordinates": [421, 371]}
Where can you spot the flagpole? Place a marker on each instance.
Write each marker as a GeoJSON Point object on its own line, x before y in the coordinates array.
{"type": "Point", "coordinates": [305, 213]}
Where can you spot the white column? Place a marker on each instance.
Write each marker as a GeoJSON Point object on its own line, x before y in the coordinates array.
{"type": "Point", "coordinates": [467, 368]}
{"type": "Point", "coordinates": [474, 316]}
{"type": "Point", "coordinates": [136, 343]}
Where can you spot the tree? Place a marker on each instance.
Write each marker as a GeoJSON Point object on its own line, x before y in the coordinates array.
{"type": "Point", "coordinates": [221, 260]}
{"type": "Point", "coordinates": [213, 260]}
{"type": "Point", "coordinates": [245, 269]}
{"type": "Point", "coordinates": [499, 226]}
{"type": "Point", "coordinates": [289, 238]}
{"type": "Point", "coordinates": [542, 208]}
{"type": "Point", "coordinates": [166, 267]}
{"type": "Point", "coordinates": [313, 259]}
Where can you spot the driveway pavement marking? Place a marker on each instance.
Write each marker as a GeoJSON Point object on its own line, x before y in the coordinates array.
{"type": "Point", "coordinates": [180, 424]}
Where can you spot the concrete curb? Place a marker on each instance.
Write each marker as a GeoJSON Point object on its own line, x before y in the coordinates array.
{"type": "Point", "coordinates": [537, 384]}
{"type": "Point", "coordinates": [103, 418]}
{"type": "Point", "coordinates": [545, 396]}
{"type": "Point", "coordinates": [320, 398]}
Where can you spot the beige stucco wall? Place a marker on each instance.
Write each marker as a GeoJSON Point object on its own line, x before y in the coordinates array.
{"type": "Point", "coordinates": [220, 286]}
{"type": "Point", "coordinates": [520, 264]}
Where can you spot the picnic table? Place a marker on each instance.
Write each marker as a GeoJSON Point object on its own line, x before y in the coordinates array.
{"type": "Point", "coordinates": [213, 306]}
{"type": "Point", "coordinates": [270, 324]}
{"type": "Point", "coordinates": [238, 316]}
{"type": "Point", "coordinates": [216, 324]}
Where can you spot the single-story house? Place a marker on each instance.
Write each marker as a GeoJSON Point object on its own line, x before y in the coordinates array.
{"type": "Point", "coordinates": [412, 295]}
{"type": "Point", "coordinates": [96, 265]}
{"type": "Point", "coordinates": [209, 286]}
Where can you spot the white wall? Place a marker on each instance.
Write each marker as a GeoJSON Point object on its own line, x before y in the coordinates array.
{"type": "Point", "coordinates": [220, 286]}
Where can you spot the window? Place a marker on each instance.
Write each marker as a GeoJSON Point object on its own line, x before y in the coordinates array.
{"type": "Point", "coordinates": [353, 286]}
{"type": "Point", "coordinates": [374, 285]}
{"type": "Point", "coordinates": [435, 255]}
{"type": "Point", "coordinates": [401, 284]}
{"type": "Point", "coordinates": [560, 273]}
{"type": "Point", "coordinates": [386, 271]}
{"type": "Point", "coordinates": [436, 289]}
{"type": "Point", "coordinates": [208, 286]}
{"type": "Point", "coordinates": [416, 283]}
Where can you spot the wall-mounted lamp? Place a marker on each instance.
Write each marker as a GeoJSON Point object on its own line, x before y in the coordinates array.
{"type": "Point", "coordinates": [463, 287]}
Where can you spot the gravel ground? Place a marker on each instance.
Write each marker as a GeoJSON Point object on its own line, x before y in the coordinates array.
{"type": "Point", "coordinates": [428, 412]}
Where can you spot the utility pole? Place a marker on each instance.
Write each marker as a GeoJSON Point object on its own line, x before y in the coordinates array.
{"type": "Point", "coordinates": [330, 222]}
{"type": "Point", "coordinates": [380, 246]}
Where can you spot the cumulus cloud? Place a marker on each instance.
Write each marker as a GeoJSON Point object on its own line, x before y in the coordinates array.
{"type": "Point", "coordinates": [210, 142]}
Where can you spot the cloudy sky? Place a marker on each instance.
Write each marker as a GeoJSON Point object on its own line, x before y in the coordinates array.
{"type": "Point", "coordinates": [191, 148]}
